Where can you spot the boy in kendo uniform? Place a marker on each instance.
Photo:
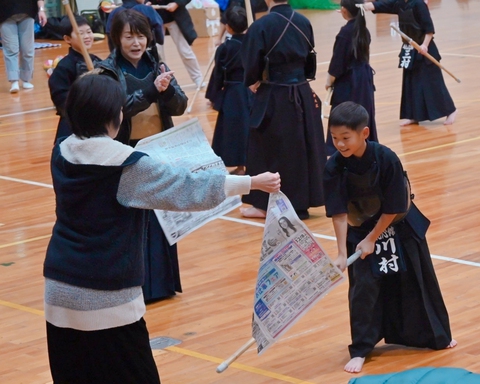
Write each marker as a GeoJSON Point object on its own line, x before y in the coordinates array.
{"type": "Point", "coordinates": [69, 68]}
{"type": "Point", "coordinates": [393, 290]}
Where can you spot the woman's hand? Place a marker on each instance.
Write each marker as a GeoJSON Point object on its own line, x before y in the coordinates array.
{"type": "Point", "coordinates": [163, 80]}
{"type": "Point", "coordinates": [266, 182]}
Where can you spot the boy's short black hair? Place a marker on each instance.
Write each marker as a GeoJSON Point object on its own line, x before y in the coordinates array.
{"type": "Point", "coordinates": [350, 115]}
{"type": "Point", "coordinates": [236, 18]}
{"type": "Point", "coordinates": [66, 26]}
{"type": "Point", "coordinates": [93, 102]}
{"type": "Point", "coordinates": [138, 23]}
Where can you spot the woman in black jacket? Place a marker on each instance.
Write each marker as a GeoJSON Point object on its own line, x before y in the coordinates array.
{"type": "Point", "coordinates": [152, 97]}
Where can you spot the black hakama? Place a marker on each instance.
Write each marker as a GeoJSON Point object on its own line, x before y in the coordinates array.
{"type": "Point", "coordinates": [232, 99]}
{"type": "Point", "coordinates": [406, 308]}
{"type": "Point", "coordinates": [353, 80]}
{"type": "Point", "coordinates": [286, 131]}
{"type": "Point", "coordinates": [162, 271]}
{"type": "Point", "coordinates": [424, 93]}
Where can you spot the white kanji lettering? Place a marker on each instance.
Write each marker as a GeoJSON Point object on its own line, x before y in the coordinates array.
{"type": "Point", "coordinates": [406, 58]}
{"type": "Point", "coordinates": [405, 62]}
{"type": "Point", "coordinates": [389, 264]}
{"type": "Point", "coordinates": [388, 245]}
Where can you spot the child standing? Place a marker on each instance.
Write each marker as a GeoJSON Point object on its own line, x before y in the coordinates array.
{"type": "Point", "coordinates": [393, 290]}
{"type": "Point", "coordinates": [349, 72]}
{"type": "Point", "coordinates": [424, 93]}
{"type": "Point", "coordinates": [69, 68]}
{"type": "Point", "coordinates": [229, 96]}
{"type": "Point", "coordinates": [257, 6]}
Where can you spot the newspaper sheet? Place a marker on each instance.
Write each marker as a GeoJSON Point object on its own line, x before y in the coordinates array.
{"type": "Point", "coordinates": [186, 146]}
{"type": "Point", "coordinates": [294, 273]}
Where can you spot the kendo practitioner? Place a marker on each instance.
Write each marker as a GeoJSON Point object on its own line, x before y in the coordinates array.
{"type": "Point", "coordinates": [70, 68]}
{"type": "Point", "coordinates": [393, 290]}
{"type": "Point", "coordinates": [286, 131]}
{"type": "Point", "coordinates": [424, 93]}
{"type": "Point", "coordinates": [349, 72]}
{"type": "Point", "coordinates": [224, 5]}
{"type": "Point", "coordinates": [229, 95]}
{"type": "Point", "coordinates": [153, 96]}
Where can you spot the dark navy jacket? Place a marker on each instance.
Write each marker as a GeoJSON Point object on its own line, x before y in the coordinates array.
{"type": "Point", "coordinates": [96, 242]}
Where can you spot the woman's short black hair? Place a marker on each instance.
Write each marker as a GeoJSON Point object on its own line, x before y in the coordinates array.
{"type": "Point", "coordinates": [236, 18]}
{"type": "Point", "coordinates": [93, 102]}
{"type": "Point", "coordinates": [138, 23]}
{"type": "Point", "coordinates": [350, 115]}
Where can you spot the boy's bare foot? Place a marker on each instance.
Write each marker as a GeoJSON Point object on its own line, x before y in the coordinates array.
{"type": "Point", "coordinates": [450, 118]}
{"type": "Point", "coordinates": [253, 212]}
{"type": "Point", "coordinates": [355, 365]}
{"type": "Point", "coordinates": [406, 122]}
{"type": "Point", "coordinates": [452, 344]}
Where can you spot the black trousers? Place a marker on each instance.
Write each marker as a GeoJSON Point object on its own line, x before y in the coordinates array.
{"type": "Point", "coordinates": [119, 355]}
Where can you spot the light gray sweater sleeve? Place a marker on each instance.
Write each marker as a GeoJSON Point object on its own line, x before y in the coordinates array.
{"type": "Point", "coordinates": [150, 184]}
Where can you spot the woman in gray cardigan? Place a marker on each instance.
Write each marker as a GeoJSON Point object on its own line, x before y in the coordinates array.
{"type": "Point", "coordinates": [94, 266]}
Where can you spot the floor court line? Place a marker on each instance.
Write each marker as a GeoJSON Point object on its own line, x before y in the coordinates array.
{"type": "Point", "coordinates": [26, 182]}
{"type": "Point", "coordinates": [27, 112]}
{"type": "Point", "coordinates": [253, 223]}
{"type": "Point", "coordinates": [239, 366]}
{"type": "Point", "coordinates": [185, 352]}
{"type": "Point", "coordinates": [325, 237]}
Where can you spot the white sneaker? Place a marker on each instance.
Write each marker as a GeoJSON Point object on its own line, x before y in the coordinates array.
{"type": "Point", "coordinates": [14, 88]}
{"type": "Point", "coordinates": [202, 85]}
{"type": "Point", "coordinates": [27, 85]}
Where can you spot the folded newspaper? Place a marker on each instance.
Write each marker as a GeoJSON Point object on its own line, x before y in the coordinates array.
{"type": "Point", "coordinates": [186, 146]}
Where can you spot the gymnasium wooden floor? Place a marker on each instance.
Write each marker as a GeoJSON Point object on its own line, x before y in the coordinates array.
{"type": "Point", "coordinates": [219, 262]}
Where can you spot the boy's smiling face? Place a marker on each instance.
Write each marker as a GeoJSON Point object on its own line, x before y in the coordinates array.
{"type": "Point", "coordinates": [349, 142]}
{"type": "Point", "coordinates": [86, 35]}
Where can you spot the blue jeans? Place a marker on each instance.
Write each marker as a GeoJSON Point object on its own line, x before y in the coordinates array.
{"type": "Point", "coordinates": [18, 38]}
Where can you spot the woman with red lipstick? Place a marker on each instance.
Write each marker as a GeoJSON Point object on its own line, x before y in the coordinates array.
{"type": "Point", "coordinates": [152, 95]}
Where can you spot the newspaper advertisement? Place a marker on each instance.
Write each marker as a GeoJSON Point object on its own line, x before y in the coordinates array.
{"type": "Point", "coordinates": [294, 273]}
{"type": "Point", "coordinates": [186, 146]}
